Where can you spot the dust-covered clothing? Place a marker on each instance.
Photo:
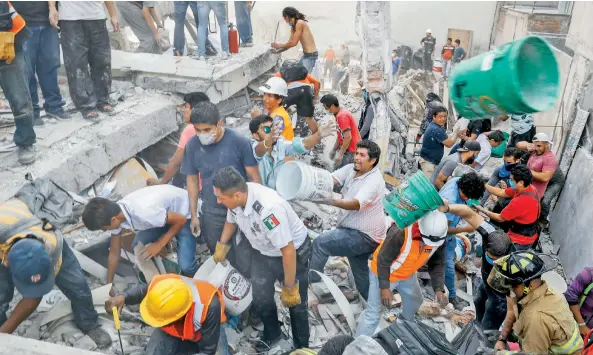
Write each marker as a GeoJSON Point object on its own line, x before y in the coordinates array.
{"type": "Point", "coordinates": [131, 11]}
{"type": "Point", "coordinates": [81, 10]}
{"type": "Point", "coordinates": [545, 322]}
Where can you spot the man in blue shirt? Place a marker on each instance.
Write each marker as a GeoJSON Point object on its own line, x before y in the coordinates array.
{"type": "Point", "coordinates": [396, 61]}
{"type": "Point", "coordinates": [463, 190]}
{"type": "Point", "coordinates": [434, 142]}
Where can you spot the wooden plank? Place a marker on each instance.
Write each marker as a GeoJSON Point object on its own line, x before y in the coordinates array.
{"type": "Point", "coordinates": [395, 182]}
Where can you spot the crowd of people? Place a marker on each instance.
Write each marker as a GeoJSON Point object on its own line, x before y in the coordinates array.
{"type": "Point", "coordinates": [219, 190]}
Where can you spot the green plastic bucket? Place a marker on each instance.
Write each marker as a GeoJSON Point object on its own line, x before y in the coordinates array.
{"type": "Point", "coordinates": [516, 78]}
{"type": "Point", "coordinates": [412, 200]}
{"type": "Point", "coordinates": [498, 152]}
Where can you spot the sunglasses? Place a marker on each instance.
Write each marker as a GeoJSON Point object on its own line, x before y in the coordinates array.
{"type": "Point", "coordinates": [266, 129]}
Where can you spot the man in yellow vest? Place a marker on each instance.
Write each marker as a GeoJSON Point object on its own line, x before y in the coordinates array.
{"type": "Point", "coordinates": [537, 315]}
{"type": "Point", "coordinates": [187, 314]}
{"type": "Point", "coordinates": [34, 259]}
{"type": "Point", "coordinates": [13, 80]}
{"type": "Point", "coordinates": [394, 265]}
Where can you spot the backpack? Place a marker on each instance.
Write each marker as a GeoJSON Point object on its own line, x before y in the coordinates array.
{"type": "Point", "coordinates": [293, 70]}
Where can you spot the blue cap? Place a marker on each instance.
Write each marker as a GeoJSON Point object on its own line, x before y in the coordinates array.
{"type": "Point", "coordinates": [31, 268]}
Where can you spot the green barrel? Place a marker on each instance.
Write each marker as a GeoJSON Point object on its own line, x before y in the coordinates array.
{"type": "Point", "coordinates": [516, 78]}
{"type": "Point", "coordinates": [410, 201]}
{"type": "Point", "coordinates": [498, 152]}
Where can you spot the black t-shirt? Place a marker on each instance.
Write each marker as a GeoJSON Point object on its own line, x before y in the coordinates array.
{"type": "Point", "coordinates": [34, 12]}
{"type": "Point", "coordinates": [478, 127]}
{"type": "Point", "coordinates": [429, 43]}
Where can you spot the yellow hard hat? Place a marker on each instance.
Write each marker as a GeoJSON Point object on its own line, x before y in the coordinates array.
{"type": "Point", "coordinates": [166, 302]}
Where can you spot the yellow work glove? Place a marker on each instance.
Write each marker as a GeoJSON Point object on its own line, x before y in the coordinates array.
{"type": "Point", "coordinates": [221, 251]}
{"type": "Point", "coordinates": [7, 46]}
{"type": "Point", "coordinates": [290, 295]}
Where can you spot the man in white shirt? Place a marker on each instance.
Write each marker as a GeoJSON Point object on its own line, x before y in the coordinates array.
{"type": "Point", "coordinates": [282, 252]}
{"type": "Point", "coordinates": [361, 223]}
{"type": "Point", "coordinates": [85, 43]}
{"type": "Point", "coordinates": [487, 141]}
{"type": "Point", "coordinates": [156, 213]}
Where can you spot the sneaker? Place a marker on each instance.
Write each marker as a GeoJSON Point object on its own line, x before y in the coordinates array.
{"type": "Point", "coordinates": [90, 115]}
{"type": "Point", "coordinates": [262, 346]}
{"type": "Point", "coordinates": [100, 337]}
{"type": "Point", "coordinates": [107, 108]}
{"type": "Point", "coordinates": [247, 44]}
{"type": "Point", "coordinates": [38, 121]}
{"type": "Point", "coordinates": [225, 55]}
{"type": "Point", "coordinates": [26, 155]}
{"type": "Point", "coordinates": [59, 115]}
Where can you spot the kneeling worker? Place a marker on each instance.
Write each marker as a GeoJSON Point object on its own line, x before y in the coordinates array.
{"type": "Point", "coordinates": [395, 263]}
{"type": "Point", "coordinates": [282, 246]}
{"type": "Point", "coordinates": [539, 316]}
{"type": "Point", "coordinates": [187, 314]}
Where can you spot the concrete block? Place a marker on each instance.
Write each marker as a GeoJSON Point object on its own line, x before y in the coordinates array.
{"type": "Point", "coordinates": [12, 344]}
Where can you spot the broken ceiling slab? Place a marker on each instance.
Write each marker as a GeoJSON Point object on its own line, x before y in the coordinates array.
{"type": "Point", "coordinates": [218, 79]}
{"type": "Point", "coordinates": [77, 160]}
{"type": "Point", "coordinates": [12, 345]}
{"type": "Point", "coordinates": [62, 309]}
{"type": "Point", "coordinates": [94, 268]}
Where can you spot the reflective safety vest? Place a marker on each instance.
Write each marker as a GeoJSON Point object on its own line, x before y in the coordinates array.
{"type": "Point", "coordinates": [18, 22]}
{"type": "Point", "coordinates": [188, 327]}
{"type": "Point", "coordinates": [413, 254]}
{"type": "Point", "coordinates": [17, 222]}
{"type": "Point", "coordinates": [572, 346]}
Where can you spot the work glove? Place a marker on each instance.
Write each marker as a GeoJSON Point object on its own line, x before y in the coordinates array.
{"type": "Point", "coordinates": [290, 295]}
{"type": "Point", "coordinates": [7, 46]}
{"type": "Point", "coordinates": [221, 251]}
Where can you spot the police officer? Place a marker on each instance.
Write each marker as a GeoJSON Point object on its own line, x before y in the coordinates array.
{"type": "Point", "coordinates": [282, 252]}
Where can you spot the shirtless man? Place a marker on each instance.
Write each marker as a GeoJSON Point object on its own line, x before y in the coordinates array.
{"type": "Point", "coordinates": [300, 32]}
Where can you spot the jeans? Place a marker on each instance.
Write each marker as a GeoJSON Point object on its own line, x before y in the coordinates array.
{"type": "Point", "coordinates": [243, 16]}
{"type": "Point", "coordinates": [42, 51]}
{"type": "Point", "coordinates": [493, 181]}
{"type": "Point", "coordinates": [133, 16]}
{"type": "Point", "coordinates": [86, 44]}
{"type": "Point", "coordinates": [219, 8]}
{"type": "Point", "coordinates": [491, 307]}
{"type": "Point", "coordinates": [552, 190]}
{"type": "Point", "coordinates": [410, 292]}
{"type": "Point", "coordinates": [446, 67]}
{"type": "Point", "coordinates": [427, 61]}
{"type": "Point", "coordinates": [309, 60]}
{"type": "Point", "coordinates": [450, 244]}
{"type": "Point", "coordinates": [265, 270]}
{"type": "Point", "coordinates": [179, 32]}
{"type": "Point", "coordinates": [351, 243]}
{"type": "Point", "coordinates": [186, 246]}
{"type": "Point", "coordinates": [70, 280]}
{"type": "Point", "coordinates": [14, 84]}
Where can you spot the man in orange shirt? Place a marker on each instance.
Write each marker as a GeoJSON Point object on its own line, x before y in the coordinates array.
{"type": "Point", "coordinates": [329, 56]}
{"type": "Point", "coordinates": [348, 133]}
{"type": "Point", "coordinates": [447, 54]}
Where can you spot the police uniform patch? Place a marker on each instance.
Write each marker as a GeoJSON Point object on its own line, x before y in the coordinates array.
{"type": "Point", "coordinates": [257, 207]}
{"type": "Point", "coordinates": [271, 222]}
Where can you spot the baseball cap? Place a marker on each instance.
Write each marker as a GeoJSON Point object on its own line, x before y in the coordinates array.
{"type": "Point", "coordinates": [31, 268]}
{"type": "Point", "coordinates": [542, 137]}
{"type": "Point", "coordinates": [470, 146]}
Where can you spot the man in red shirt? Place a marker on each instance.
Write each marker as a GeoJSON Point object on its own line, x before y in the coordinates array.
{"type": "Point", "coordinates": [521, 214]}
{"type": "Point", "coordinates": [348, 133]}
{"type": "Point", "coordinates": [447, 55]}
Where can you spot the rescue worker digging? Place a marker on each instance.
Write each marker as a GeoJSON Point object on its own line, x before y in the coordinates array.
{"type": "Point", "coordinates": [187, 314]}
{"type": "Point", "coordinates": [394, 266]}
{"type": "Point", "coordinates": [34, 258]}
{"type": "Point", "coordinates": [281, 252]}
{"type": "Point", "coordinates": [536, 314]}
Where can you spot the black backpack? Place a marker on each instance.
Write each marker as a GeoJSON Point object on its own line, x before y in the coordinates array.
{"type": "Point", "coordinates": [293, 70]}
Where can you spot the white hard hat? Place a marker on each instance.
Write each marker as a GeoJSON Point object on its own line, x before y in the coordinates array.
{"type": "Point", "coordinates": [275, 85]}
{"type": "Point", "coordinates": [433, 228]}
{"type": "Point", "coordinates": [428, 31]}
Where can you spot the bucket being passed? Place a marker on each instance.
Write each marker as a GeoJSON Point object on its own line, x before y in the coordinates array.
{"type": "Point", "coordinates": [517, 77]}
{"type": "Point", "coordinates": [235, 289]}
{"type": "Point", "coordinates": [299, 181]}
{"type": "Point", "coordinates": [412, 200]}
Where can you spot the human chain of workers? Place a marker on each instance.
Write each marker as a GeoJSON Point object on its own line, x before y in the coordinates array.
{"type": "Point", "coordinates": [244, 221]}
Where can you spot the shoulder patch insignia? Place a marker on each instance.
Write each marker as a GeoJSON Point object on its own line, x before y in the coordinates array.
{"type": "Point", "coordinates": [271, 222]}
{"type": "Point", "coordinates": [257, 207]}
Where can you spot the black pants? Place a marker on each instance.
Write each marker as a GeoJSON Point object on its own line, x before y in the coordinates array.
{"type": "Point", "coordinates": [85, 44]}
{"type": "Point", "coordinates": [211, 225]}
{"type": "Point", "coordinates": [265, 270]}
{"type": "Point", "coordinates": [491, 308]}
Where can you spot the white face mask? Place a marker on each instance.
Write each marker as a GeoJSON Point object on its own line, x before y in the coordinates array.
{"type": "Point", "coordinates": [207, 138]}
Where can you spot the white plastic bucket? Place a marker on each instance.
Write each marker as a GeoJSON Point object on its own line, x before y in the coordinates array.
{"type": "Point", "coordinates": [235, 288]}
{"type": "Point", "coordinates": [555, 281]}
{"type": "Point", "coordinates": [299, 181]}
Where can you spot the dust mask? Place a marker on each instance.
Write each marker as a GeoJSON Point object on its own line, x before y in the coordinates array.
{"type": "Point", "coordinates": [207, 139]}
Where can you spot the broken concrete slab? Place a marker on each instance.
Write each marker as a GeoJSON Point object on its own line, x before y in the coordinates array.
{"type": "Point", "coordinates": [12, 345]}
{"type": "Point", "coordinates": [94, 268]}
{"type": "Point", "coordinates": [182, 75]}
{"type": "Point", "coordinates": [78, 160]}
{"type": "Point", "coordinates": [100, 295]}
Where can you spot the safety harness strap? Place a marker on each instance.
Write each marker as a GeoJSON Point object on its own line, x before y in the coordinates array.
{"type": "Point", "coordinates": [198, 306]}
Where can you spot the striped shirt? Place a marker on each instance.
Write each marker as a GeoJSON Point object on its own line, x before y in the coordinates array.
{"type": "Point", "coordinates": [368, 189]}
